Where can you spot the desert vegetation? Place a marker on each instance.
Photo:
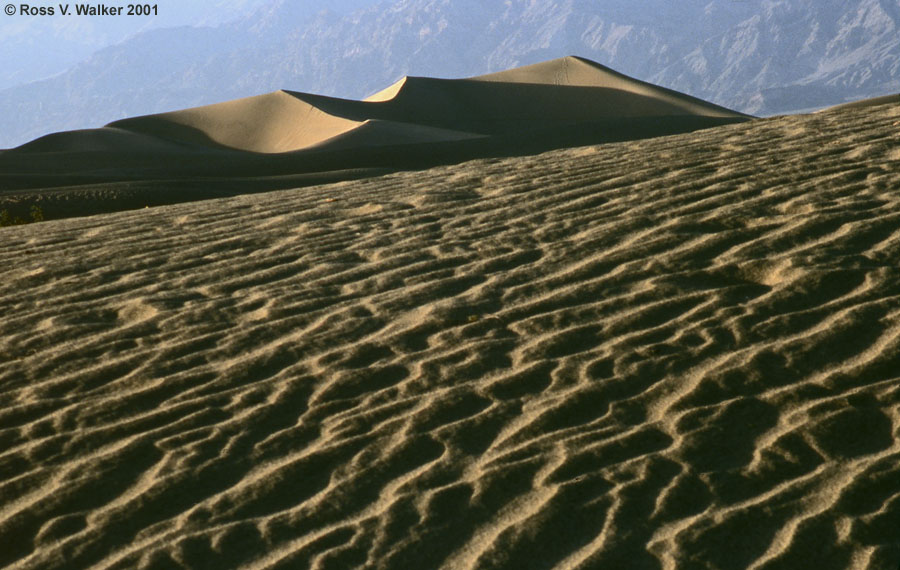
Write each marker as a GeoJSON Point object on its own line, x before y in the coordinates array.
{"type": "Point", "coordinates": [10, 218]}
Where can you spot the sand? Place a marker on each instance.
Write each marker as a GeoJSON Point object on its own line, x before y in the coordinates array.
{"type": "Point", "coordinates": [560, 91]}
{"type": "Point", "coordinates": [679, 352]}
{"type": "Point", "coordinates": [288, 139]}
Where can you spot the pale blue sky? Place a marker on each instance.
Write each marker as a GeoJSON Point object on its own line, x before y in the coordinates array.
{"type": "Point", "coordinates": [36, 47]}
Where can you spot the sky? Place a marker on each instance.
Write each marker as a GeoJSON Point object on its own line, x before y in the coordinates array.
{"type": "Point", "coordinates": [34, 47]}
{"type": "Point", "coordinates": [727, 51]}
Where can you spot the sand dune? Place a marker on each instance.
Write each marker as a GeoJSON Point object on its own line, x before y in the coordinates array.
{"type": "Point", "coordinates": [680, 352]}
{"type": "Point", "coordinates": [271, 123]}
{"type": "Point", "coordinates": [564, 90]}
{"type": "Point", "coordinates": [375, 132]}
{"type": "Point", "coordinates": [580, 72]}
{"type": "Point", "coordinates": [871, 102]}
{"type": "Point", "coordinates": [287, 138]}
{"type": "Point", "coordinates": [422, 109]}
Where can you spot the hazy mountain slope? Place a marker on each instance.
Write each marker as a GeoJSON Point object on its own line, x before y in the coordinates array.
{"type": "Point", "coordinates": [795, 54]}
{"type": "Point", "coordinates": [36, 47]}
{"type": "Point", "coordinates": [775, 56]}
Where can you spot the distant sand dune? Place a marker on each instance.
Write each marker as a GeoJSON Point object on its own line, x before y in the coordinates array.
{"type": "Point", "coordinates": [376, 132]}
{"type": "Point", "coordinates": [275, 122]}
{"type": "Point", "coordinates": [680, 352]}
{"type": "Point", "coordinates": [580, 72]}
{"type": "Point", "coordinates": [872, 102]}
{"type": "Point", "coordinates": [286, 138]}
{"type": "Point", "coordinates": [564, 90]}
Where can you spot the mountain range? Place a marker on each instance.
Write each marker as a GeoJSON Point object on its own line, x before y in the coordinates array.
{"type": "Point", "coordinates": [770, 57]}
{"type": "Point", "coordinates": [37, 47]}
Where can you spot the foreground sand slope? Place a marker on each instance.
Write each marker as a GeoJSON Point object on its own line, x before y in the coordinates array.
{"type": "Point", "coordinates": [673, 353]}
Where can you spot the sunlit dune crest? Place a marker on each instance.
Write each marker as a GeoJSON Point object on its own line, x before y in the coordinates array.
{"type": "Point", "coordinates": [564, 90]}
{"type": "Point", "coordinates": [288, 139]}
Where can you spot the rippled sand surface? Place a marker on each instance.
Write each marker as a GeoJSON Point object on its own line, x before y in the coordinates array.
{"type": "Point", "coordinates": [681, 352]}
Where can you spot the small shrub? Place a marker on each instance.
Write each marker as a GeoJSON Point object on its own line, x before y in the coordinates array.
{"type": "Point", "coordinates": [8, 219]}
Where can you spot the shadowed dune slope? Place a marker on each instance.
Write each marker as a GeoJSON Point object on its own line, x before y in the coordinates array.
{"type": "Point", "coordinates": [421, 110]}
{"type": "Point", "coordinates": [681, 352]}
{"type": "Point", "coordinates": [580, 72]}
{"type": "Point", "coordinates": [271, 123]}
{"type": "Point", "coordinates": [374, 132]}
{"type": "Point", "coordinates": [287, 139]}
{"type": "Point", "coordinates": [105, 140]}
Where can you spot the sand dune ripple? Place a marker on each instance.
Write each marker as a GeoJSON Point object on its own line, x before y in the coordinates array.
{"type": "Point", "coordinates": [672, 353]}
